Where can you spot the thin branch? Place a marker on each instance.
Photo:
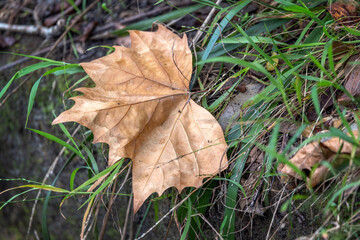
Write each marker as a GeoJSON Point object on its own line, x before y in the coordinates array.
{"type": "Point", "coordinates": [31, 29]}
{"type": "Point", "coordinates": [127, 217]}
{"type": "Point", "coordinates": [205, 24]}
{"type": "Point", "coordinates": [111, 202]}
{"type": "Point", "coordinates": [272, 220]}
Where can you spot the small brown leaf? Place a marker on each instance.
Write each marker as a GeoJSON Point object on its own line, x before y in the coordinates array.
{"type": "Point", "coordinates": [337, 11]}
{"type": "Point", "coordinates": [141, 107]}
{"type": "Point", "coordinates": [312, 154]}
{"type": "Point", "coordinates": [345, 11]}
{"type": "Point", "coordinates": [352, 82]}
{"type": "Point", "coordinates": [340, 50]}
{"type": "Point", "coordinates": [351, 6]}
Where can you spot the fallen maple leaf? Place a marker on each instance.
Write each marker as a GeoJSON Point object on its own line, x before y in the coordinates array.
{"type": "Point", "coordinates": [141, 107]}
{"type": "Point", "coordinates": [312, 154]}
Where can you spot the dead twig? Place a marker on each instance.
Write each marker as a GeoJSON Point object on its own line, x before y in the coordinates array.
{"type": "Point", "coordinates": [111, 202]}
{"type": "Point", "coordinates": [272, 220]}
{"type": "Point", "coordinates": [30, 29]}
{"type": "Point", "coordinates": [205, 23]}
{"type": "Point", "coordinates": [127, 217]}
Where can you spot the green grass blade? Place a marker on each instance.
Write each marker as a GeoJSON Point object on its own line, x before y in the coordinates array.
{"type": "Point", "coordinates": [340, 134]}
{"type": "Point", "coordinates": [339, 192]}
{"type": "Point", "coordinates": [188, 221]}
{"type": "Point", "coordinates": [72, 178]}
{"type": "Point", "coordinates": [216, 35]}
{"type": "Point", "coordinates": [68, 135]}
{"type": "Point", "coordinates": [253, 65]}
{"type": "Point", "coordinates": [146, 24]}
{"type": "Point", "coordinates": [5, 88]}
{"type": "Point", "coordinates": [143, 220]}
{"type": "Point", "coordinates": [65, 69]}
{"type": "Point", "coordinates": [59, 141]}
{"type": "Point", "coordinates": [94, 167]}
{"type": "Point", "coordinates": [222, 98]}
{"type": "Point", "coordinates": [232, 182]}
{"type": "Point", "coordinates": [256, 30]}
{"type": "Point", "coordinates": [294, 138]}
{"type": "Point", "coordinates": [96, 177]}
{"type": "Point", "coordinates": [32, 99]}
{"type": "Point", "coordinates": [231, 198]}
{"type": "Point", "coordinates": [255, 39]}
{"type": "Point", "coordinates": [272, 145]}
{"type": "Point", "coordinates": [106, 183]}
{"type": "Point", "coordinates": [43, 187]}
{"type": "Point", "coordinates": [24, 72]}
{"type": "Point", "coordinates": [15, 196]}
{"type": "Point", "coordinates": [37, 58]}
{"type": "Point", "coordinates": [352, 31]}
{"type": "Point", "coordinates": [315, 99]}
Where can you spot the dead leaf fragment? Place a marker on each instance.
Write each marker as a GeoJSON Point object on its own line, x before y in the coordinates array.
{"type": "Point", "coordinates": [271, 66]}
{"type": "Point", "coordinates": [340, 50]}
{"type": "Point", "coordinates": [352, 82]}
{"type": "Point", "coordinates": [141, 107]}
{"type": "Point", "coordinates": [351, 6]}
{"type": "Point", "coordinates": [338, 11]}
{"type": "Point", "coordinates": [312, 154]}
{"type": "Point", "coordinates": [344, 11]}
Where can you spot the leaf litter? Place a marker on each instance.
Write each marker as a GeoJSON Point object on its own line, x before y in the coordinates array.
{"type": "Point", "coordinates": [309, 159]}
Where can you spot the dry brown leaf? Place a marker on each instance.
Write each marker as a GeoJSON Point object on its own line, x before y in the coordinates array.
{"type": "Point", "coordinates": [340, 50]}
{"type": "Point", "coordinates": [344, 11]}
{"type": "Point", "coordinates": [352, 82]}
{"type": "Point", "coordinates": [141, 107]}
{"type": "Point", "coordinates": [351, 6]}
{"type": "Point", "coordinates": [338, 11]}
{"type": "Point", "coordinates": [312, 154]}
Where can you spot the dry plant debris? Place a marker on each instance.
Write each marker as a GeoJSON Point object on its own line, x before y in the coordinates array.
{"type": "Point", "coordinates": [141, 107]}
{"type": "Point", "coordinates": [308, 158]}
{"type": "Point", "coordinates": [352, 82]}
{"type": "Point", "coordinates": [344, 10]}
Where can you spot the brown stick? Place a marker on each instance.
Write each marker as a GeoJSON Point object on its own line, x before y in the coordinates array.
{"type": "Point", "coordinates": [30, 29]}
{"type": "Point", "coordinates": [111, 202]}
{"type": "Point", "coordinates": [107, 214]}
